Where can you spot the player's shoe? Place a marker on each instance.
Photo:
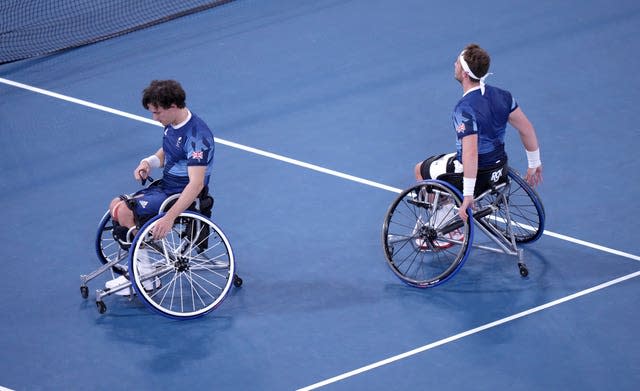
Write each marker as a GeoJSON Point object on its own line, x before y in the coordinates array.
{"type": "Point", "coordinates": [149, 285]}
{"type": "Point", "coordinates": [442, 217]}
{"type": "Point", "coordinates": [118, 282]}
{"type": "Point", "coordinates": [144, 267]}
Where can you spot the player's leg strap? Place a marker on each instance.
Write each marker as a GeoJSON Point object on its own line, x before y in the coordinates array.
{"type": "Point", "coordinates": [130, 202]}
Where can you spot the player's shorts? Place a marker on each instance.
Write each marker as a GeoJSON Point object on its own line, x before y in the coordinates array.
{"type": "Point", "coordinates": [146, 202]}
{"type": "Point", "coordinates": [447, 168]}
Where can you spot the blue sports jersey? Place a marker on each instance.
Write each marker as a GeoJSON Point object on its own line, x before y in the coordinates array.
{"type": "Point", "coordinates": [190, 145]}
{"type": "Point", "coordinates": [485, 115]}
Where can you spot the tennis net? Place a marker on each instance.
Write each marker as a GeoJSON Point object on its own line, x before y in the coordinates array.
{"type": "Point", "coordinates": [39, 27]}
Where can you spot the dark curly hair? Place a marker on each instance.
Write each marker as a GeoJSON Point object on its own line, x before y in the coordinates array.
{"type": "Point", "coordinates": [164, 93]}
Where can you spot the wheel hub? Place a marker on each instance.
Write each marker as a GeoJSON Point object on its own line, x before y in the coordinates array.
{"type": "Point", "coordinates": [182, 264]}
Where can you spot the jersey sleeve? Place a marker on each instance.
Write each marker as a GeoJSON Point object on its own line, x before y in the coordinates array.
{"type": "Point", "coordinates": [199, 149]}
{"type": "Point", "coordinates": [514, 104]}
{"type": "Point", "coordinates": [464, 121]}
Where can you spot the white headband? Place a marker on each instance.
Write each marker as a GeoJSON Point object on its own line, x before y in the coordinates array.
{"type": "Point", "coordinates": [467, 70]}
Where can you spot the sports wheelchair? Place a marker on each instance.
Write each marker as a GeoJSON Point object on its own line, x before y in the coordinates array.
{"type": "Point", "coordinates": [185, 275]}
{"type": "Point", "coordinates": [426, 243]}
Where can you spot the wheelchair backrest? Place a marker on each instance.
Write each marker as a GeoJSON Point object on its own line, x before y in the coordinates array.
{"type": "Point", "coordinates": [203, 204]}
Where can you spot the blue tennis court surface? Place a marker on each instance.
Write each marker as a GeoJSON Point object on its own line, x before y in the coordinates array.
{"type": "Point", "coordinates": [321, 109]}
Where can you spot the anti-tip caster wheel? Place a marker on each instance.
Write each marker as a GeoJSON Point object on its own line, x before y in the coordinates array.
{"type": "Point", "coordinates": [523, 269]}
{"type": "Point", "coordinates": [237, 281]}
{"type": "Point", "coordinates": [84, 291]}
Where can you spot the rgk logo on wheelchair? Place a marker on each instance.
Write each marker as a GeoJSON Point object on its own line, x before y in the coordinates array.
{"type": "Point", "coordinates": [496, 175]}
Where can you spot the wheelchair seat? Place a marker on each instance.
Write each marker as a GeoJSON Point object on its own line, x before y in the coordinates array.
{"type": "Point", "coordinates": [203, 204]}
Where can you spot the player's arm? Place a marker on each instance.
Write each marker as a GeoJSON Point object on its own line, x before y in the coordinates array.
{"type": "Point", "coordinates": [529, 139]}
{"type": "Point", "coordinates": [187, 197]}
{"type": "Point", "coordinates": [470, 167]}
{"type": "Point", "coordinates": [190, 192]}
{"type": "Point", "coordinates": [147, 164]}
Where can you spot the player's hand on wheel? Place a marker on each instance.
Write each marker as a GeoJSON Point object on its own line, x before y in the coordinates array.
{"type": "Point", "coordinates": [467, 202]}
{"type": "Point", "coordinates": [162, 227]}
{"type": "Point", "coordinates": [534, 176]}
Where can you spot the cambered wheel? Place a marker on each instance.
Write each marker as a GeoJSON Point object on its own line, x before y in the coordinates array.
{"type": "Point", "coordinates": [188, 273]}
{"type": "Point", "coordinates": [107, 248]}
{"type": "Point", "coordinates": [524, 207]}
{"type": "Point", "coordinates": [424, 240]}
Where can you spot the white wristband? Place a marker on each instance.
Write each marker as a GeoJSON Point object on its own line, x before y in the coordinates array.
{"type": "Point", "coordinates": [533, 158]}
{"type": "Point", "coordinates": [468, 185]}
{"type": "Point", "coordinates": [152, 160]}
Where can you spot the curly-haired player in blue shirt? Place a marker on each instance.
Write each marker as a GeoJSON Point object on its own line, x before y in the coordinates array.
{"type": "Point", "coordinates": [186, 156]}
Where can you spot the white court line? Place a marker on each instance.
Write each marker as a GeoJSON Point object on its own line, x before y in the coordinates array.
{"type": "Point", "coordinates": [469, 332]}
{"type": "Point", "coordinates": [380, 186]}
{"type": "Point", "coordinates": [217, 140]}
{"type": "Point", "coordinates": [283, 159]}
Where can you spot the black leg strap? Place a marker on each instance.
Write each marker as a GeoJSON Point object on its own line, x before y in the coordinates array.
{"type": "Point", "coordinates": [130, 202]}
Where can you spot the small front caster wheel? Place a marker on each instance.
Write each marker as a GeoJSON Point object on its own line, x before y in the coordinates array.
{"type": "Point", "coordinates": [102, 308]}
{"type": "Point", "coordinates": [84, 291]}
{"type": "Point", "coordinates": [237, 281]}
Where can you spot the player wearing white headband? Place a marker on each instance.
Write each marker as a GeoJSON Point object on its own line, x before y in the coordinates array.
{"type": "Point", "coordinates": [480, 119]}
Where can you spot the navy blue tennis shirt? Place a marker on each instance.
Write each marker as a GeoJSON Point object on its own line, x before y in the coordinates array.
{"type": "Point", "coordinates": [487, 116]}
{"type": "Point", "coordinates": [191, 144]}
